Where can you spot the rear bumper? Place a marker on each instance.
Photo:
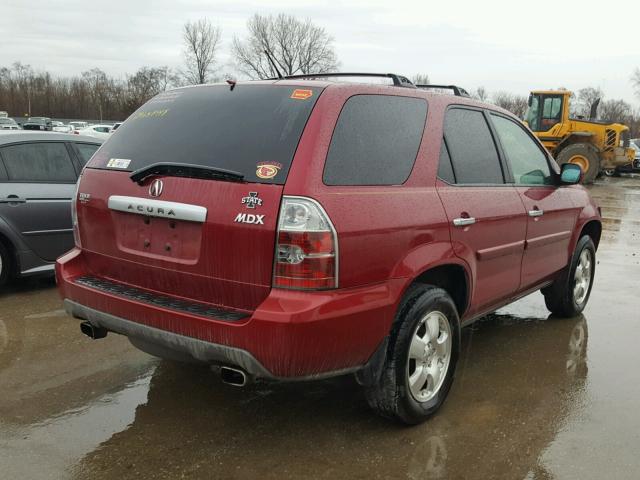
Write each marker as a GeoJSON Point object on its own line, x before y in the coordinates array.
{"type": "Point", "coordinates": [290, 336]}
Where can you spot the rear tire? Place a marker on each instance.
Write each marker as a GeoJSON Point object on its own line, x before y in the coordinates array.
{"type": "Point", "coordinates": [6, 264]}
{"type": "Point", "coordinates": [584, 155]}
{"type": "Point", "coordinates": [421, 357]}
{"type": "Point", "coordinates": [569, 293]}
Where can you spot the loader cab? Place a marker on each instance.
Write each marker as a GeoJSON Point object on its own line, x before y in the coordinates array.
{"type": "Point", "coordinates": [547, 109]}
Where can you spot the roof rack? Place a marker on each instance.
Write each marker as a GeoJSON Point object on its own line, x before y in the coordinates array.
{"type": "Point", "coordinates": [457, 91]}
{"type": "Point", "coordinates": [398, 80]}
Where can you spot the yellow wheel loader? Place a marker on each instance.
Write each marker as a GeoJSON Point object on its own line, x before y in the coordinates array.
{"type": "Point", "coordinates": [596, 146]}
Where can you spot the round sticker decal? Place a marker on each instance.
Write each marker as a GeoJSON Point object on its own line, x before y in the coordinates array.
{"type": "Point", "coordinates": [268, 170]}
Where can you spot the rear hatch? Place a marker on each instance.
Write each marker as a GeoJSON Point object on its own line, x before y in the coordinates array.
{"type": "Point", "coordinates": [198, 219]}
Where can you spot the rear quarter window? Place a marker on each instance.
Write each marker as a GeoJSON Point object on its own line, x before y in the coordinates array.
{"type": "Point", "coordinates": [85, 151]}
{"type": "Point", "coordinates": [375, 141]}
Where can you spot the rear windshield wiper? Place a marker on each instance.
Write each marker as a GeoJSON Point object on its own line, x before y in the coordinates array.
{"type": "Point", "coordinates": [185, 170]}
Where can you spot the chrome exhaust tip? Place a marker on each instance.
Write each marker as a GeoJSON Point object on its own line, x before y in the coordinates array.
{"type": "Point", "coordinates": [234, 376]}
{"type": "Point", "coordinates": [92, 331]}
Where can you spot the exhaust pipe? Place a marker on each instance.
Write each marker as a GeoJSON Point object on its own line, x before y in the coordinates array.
{"type": "Point", "coordinates": [234, 376]}
{"type": "Point", "coordinates": [92, 331]}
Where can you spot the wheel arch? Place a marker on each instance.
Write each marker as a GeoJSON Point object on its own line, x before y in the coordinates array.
{"type": "Point", "coordinates": [453, 278]}
{"type": "Point", "coordinates": [593, 228]}
{"type": "Point", "coordinates": [576, 137]}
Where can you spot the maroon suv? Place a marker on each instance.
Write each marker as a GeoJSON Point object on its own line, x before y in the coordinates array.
{"type": "Point", "coordinates": [297, 229]}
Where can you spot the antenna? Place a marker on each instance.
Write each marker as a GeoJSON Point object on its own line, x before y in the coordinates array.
{"type": "Point", "coordinates": [273, 64]}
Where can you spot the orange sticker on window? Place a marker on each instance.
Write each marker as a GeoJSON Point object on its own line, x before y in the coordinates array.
{"type": "Point", "coordinates": [268, 170]}
{"type": "Point", "coordinates": [301, 94]}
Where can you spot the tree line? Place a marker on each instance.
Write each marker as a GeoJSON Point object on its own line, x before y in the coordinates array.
{"type": "Point", "coordinates": [273, 45]}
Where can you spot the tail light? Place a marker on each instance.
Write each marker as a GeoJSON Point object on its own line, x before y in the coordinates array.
{"type": "Point", "coordinates": [307, 247]}
{"type": "Point", "coordinates": [74, 215]}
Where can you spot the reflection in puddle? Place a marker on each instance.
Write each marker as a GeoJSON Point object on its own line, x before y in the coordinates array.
{"type": "Point", "coordinates": [47, 449]}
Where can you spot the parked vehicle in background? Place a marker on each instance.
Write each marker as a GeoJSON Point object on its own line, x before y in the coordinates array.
{"type": "Point", "coordinates": [78, 125]}
{"type": "Point", "coordinates": [116, 126]}
{"type": "Point", "coordinates": [8, 124]}
{"type": "Point", "coordinates": [38, 172]}
{"type": "Point", "coordinates": [4, 114]}
{"type": "Point", "coordinates": [61, 127]}
{"type": "Point", "coordinates": [298, 229]}
{"type": "Point", "coordinates": [98, 131]}
{"type": "Point", "coordinates": [635, 168]}
{"type": "Point", "coordinates": [596, 146]}
{"type": "Point", "coordinates": [38, 123]}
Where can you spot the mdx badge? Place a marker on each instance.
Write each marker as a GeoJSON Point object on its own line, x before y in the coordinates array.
{"type": "Point", "coordinates": [252, 201]}
{"type": "Point", "coordinates": [250, 218]}
{"type": "Point", "coordinates": [155, 189]}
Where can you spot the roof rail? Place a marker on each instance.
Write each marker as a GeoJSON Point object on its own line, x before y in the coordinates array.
{"type": "Point", "coordinates": [457, 91]}
{"type": "Point", "coordinates": [398, 80]}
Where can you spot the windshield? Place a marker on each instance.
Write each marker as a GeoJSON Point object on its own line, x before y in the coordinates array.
{"type": "Point", "coordinates": [252, 129]}
{"type": "Point", "coordinates": [6, 120]}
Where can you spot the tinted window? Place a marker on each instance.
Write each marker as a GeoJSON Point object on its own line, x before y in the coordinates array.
{"type": "Point", "coordinates": [445, 170]}
{"type": "Point", "coordinates": [85, 151]}
{"type": "Point", "coordinates": [38, 162]}
{"type": "Point", "coordinates": [252, 129]}
{"type": "Point", "coordinates": [375, 141]}
{"type": "Point", "coordinates": [471, 147]}
{"type": "Point", "coordinates": [528, 163]}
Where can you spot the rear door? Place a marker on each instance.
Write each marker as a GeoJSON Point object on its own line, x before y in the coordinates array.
{"type": "Point", "coordinates": [486, 216]}
{"type": "Point", "coordinates": [208, 237]}
{"type": "Point", "coordinates": [551, 213]}
{"type": "Point", "coordinates": [35, 200]}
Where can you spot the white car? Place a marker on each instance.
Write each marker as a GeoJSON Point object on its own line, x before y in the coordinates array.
{"type": "Point", "coordinates": [61, 127]}
{"type": "Point", "coordinates": [8, 124]}
{"type": "Point", "coordinates": [97, 131]}
{"type": "Point", "coordinates": [78, 125]}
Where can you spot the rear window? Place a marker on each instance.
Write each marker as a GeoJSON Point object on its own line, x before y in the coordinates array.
{"type": "Point", "coordinates": [375, 141]}
{"type": "Point", "coordinates": [252, 129]}
{"type": "Point", "coordinates": [86, 150]}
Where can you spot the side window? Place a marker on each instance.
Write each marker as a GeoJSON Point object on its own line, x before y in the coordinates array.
{"type": "Point", "coordinates": [471, 147]}
{"type": "Point", "coordinates": [375, 141]}
{"type": "Point", "coordinates": [528, 163]}
{"type": "Point", "coordinates": [38, 162]}
{"type": "Point", "coordinates": [85, 151]}
{"type": "Point", "coordinates": [445, 170]}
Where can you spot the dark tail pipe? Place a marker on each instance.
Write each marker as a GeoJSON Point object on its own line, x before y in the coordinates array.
{"type": "Point", "coordinates": [92, 331]}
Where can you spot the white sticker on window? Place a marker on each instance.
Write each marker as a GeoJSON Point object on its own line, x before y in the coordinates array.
{"type": "Point", "coordinates": [118, 163]}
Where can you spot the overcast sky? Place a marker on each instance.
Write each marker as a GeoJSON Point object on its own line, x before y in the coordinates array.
{"type": "Point", "coordinates": [501, 45]}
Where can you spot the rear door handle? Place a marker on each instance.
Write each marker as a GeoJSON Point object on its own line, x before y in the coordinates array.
{"type": "Point", "coordinates": [12, 199]}
{"type": "Point", "coordinates": [536, 213]}
{"type": "Point", "coordinates": [463, 221]}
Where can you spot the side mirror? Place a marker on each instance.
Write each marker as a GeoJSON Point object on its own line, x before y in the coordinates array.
{"type": "Point", "coordinates": [570, 173]}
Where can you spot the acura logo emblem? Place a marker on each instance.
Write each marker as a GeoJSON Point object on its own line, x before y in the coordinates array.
{"type": "Point", "coordinates": [155, 189]}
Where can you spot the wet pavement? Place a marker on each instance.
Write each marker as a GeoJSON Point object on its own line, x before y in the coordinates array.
{"type": "Point", "coordinates": [534, 397]}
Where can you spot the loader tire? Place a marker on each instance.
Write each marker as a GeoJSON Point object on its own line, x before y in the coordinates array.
{"type": "Point", "coordinates": [584, 155]}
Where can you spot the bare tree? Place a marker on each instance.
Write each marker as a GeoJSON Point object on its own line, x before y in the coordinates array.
{"type": "Point", "coordinates": [296, 47]}
{"type": "Point", "coordinates": [635, 80]}
{"type": "Point", "coordinates": [201, 40]}
{"type": "Point", "coordinates": [584, 99]}
{"type": "Point", "coordinates": [421, 79]}
{"type": "Point", "coordinates": [146, 83]}
{"type": "Point", "coordinates": [480, 94]}
{"type": "Point", "coordinates": [615, 111]}
{"type": "Point", "coordinates": [516, 104]}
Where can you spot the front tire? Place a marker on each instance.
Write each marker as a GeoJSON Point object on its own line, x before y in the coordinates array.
{"type": "Point", "coordinates": [584, 155]}
{"type": "Point", "coordinates": [421, 358]}
{"type": "Point", "coordinates": [569, 293]}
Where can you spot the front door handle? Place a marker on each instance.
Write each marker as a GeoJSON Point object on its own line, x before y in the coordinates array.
{"type": "Point", "coordinates": [536, 213]}
{"type": "Point", "coordinates": [463, 221]}
{"type": "Point", "coordinates": [12, 199]}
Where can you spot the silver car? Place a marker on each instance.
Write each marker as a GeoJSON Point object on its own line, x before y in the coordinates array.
{"type": "Point", "coordinates": [38, 173]}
